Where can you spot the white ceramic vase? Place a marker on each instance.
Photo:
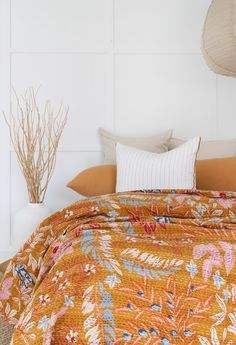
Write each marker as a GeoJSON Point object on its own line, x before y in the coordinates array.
{"type": "Point", "coordinates": [26, 220]}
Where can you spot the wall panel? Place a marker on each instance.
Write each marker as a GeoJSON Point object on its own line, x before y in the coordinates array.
{"type": "Point", "coordinates": [226, 106]}
{"type": "Point", "coordinates": [130, 65]}
{"type": "Point", "coordinates": [5, 168]}
{"type": "Point", "coordinates": [159, 25]}
{"type": "Point", "coordinates": [53, 25]}
{"type": "Point", "coordinates": [160, 91]}
{"type": "Point", "coordinates": [83, 81]}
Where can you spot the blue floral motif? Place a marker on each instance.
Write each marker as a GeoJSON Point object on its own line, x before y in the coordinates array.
{"type": "Point", "coordinates": [140, 293]}
{"type": "Point", "coordinates": [146, 271]}
{"type": "Point", "coordinates": [201, 209]}
{"type": "Point", "coordinates": [43, 323]}
{"type": "Point", "coordinates": [165, 220]}
{"type": "Point", "coordinates": [187, 333]}
{"type": "Point", "coordinates": [127, 336]}
{"type": "Point", "coordinates": [192, 268]}
{"type": "Point", "coordinates": [218, 280]}
{"type": "Point", "coordinates": [130, 229]}
{"type": "Point", "coordinates": [107, 315]}
{"type": "Point", "coordinates": [156, 307]}
{"type": "Point", "coordinates": [69, 301]}
{"type": "Point", "coordinates": [106, 300]}
{"type": "Point", "coordinates": [112, 280]}
{"type": "Point", "coordinates": [174, 334]}
{"type": "Point", "coordinates": [87, 242]}
{"type": "Point", "coordinates": [165, 341]}
{"type": "Point", "coordinates": [143, 333]}
{"type": "Point", "coordinates": [112, 214]}
{"type": "Point", "coordinates": [153, 332]}
{"type": "Point", "coordinates": [129, 306]}
{"type": "Point", "coordinates": [227, 294]}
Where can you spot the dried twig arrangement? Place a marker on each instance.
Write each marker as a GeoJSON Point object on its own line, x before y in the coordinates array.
{"type": "Point", "coordinates": [35, 136]}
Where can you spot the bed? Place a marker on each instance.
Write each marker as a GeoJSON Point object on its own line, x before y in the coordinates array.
{"type": "Point", "coordinates": [144, 267]}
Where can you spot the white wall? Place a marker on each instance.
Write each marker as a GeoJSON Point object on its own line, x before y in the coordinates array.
{"type": "Point", "coordinates": [133, 66]}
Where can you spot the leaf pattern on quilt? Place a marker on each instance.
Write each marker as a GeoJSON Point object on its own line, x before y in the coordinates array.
{"type": "Point", "coordinates": [167, 321]}
{"type": "Point", "coordinates": [149, 272]}
{"type": "Point", "coordinates": [91, 325]}
{"type": "Point", "coordinates": [144, 267]}
{"type": "Point", "coordinates": [151, 259]}
{"type": "Point", "coordinates": [99, 323]}
{"type": "Point", "coordinates": [99, 246]}
{"type": "Point", "coordinates": [214, 339]}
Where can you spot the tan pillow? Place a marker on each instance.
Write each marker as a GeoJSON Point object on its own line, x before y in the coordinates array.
{"type": "Point", "coordinates": [216, 174]}
{"type": "Point", "coordinates": [213, 174]}
{"type": "Point", "coordinates": [210, 149]}
{"type": "Point", "coordinates": [157, 143]}
{"type": "Point", "coordinates": [94, 181]}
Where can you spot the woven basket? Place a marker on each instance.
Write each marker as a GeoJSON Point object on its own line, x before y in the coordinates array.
{"type": "Point", "coordinates": [6, 329]}
{"type": "Point", "coordinates": [219, 37]}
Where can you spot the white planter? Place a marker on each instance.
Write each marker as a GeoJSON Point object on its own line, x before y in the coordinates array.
{"type": "Point", "coordinates": [25, 221]}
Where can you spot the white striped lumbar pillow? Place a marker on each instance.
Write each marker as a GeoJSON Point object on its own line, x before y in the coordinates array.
{"type": "Point", "coordinates": [138, 169]}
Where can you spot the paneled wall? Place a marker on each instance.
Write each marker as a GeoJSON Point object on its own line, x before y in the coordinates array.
{"type": "Point", "coordinates": [133, 66]}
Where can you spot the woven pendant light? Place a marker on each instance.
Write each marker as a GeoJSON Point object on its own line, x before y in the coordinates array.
{"type": "Point", "coordinates": [219, 37]}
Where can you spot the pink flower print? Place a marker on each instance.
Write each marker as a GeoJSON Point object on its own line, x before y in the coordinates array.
{"type": "Point", "coordinates": [207, 269]}
{"type": "Point", "coordinates": [199, 251]}
{"type": "Point", "coordinates": [58, 275]}
{"type": "Point", "coordinates": [229, 257]}
{"type": "Point", "coordinates": [215, 259]}
{"type": "Point", "coordinates": [59, 249]}
{"type": "Point", "coordinates": [226, 203]}
{"type": "Point", "coordinates": [215, 254]}
{"type": "Point", "coordinates": [181, 198]}
{"type": "Point", "coordinates": [4, 293]}
{"type": "Point", "coordinates": [72, 337]}
{"type": "Point", "coordinates": [69, 214]}
{"type": "Point", "coordinates": [44, 299]}
{"type": "Point", "coordinates": [89, 269]}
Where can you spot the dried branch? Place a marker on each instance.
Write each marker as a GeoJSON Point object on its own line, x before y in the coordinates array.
{"type": "Point", "coordinates": [35, 136]}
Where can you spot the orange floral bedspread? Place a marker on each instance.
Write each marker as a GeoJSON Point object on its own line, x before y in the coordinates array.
{"type": "Point", "coordinates": [153, 267]}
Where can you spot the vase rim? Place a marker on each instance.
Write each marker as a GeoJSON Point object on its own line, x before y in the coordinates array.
{"type": "Point", "coordinates": [35, 203]}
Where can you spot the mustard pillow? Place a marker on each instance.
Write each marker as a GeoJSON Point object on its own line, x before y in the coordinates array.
{"type": "Point", "coordinates": [216, 174]}
{"type": "Point", "coordinates": [212, 174]}
{"type": "Point", "coordinates": [95, 181]}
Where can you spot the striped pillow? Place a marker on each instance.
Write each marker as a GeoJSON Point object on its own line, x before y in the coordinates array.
{"type": "Point", "coordinates": [138, 169]}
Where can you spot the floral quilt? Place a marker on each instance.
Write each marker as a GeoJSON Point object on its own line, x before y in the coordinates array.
{"type": "Point", "coordinates": [145, 267]}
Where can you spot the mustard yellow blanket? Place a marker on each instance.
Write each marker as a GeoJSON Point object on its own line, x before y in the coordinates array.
{"type": "Point", "coordinates": [153, 267]}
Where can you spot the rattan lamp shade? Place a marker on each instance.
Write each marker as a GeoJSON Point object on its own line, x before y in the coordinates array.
{"type": "Point", "coordinates": [219, 37]}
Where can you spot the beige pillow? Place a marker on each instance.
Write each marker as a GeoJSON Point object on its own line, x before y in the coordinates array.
{"type": "Point", "coordinates": [157, 143]}
{"type": "Point", "coordinates": [210, 149]}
